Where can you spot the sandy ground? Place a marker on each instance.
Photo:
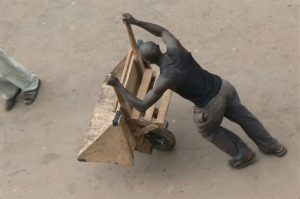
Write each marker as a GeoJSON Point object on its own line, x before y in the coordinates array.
{"type": "Point", "coordinates": [72, 44]}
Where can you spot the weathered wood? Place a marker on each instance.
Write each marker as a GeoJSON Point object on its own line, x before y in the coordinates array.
{"type": "Point", "coordinates": [135, 48]}
{"type": "Point", "coordinates": [164, 105]}
{"type": "Point", "coordinates": [145, 83]}
{"type": "Point", "coordinates": [103, 115]}
{"type": "Point", "coordinates": [118, 70]}
{"type": "Point", "coordinates": [124, 74]}
{"type": "Point", "coordinates": [143, 145]}
{"type": "Point", "coordinates": [123, 104]}
{"type": "Point", "coordinates": [133, 78]}
{"type": "Point", "coordinates": [101, 123]}
{"type": "Point", "coordinates": [129, 58]}
{"type": "Point", "coordinates": [143, 122]}
{"type": "Point", "coordinates": [149, 113]}
{"type": "Point", "coordinates": [114, 145]}
{"type": "Point", "coordinates": [144, 130]}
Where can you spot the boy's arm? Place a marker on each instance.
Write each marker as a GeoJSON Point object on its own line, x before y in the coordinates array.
{"type": "Point", "coordinates": [169, 39]}
{"type": "Point", "coordinates": [151, 97]}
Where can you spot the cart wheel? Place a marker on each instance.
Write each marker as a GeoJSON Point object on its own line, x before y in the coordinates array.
{"type": "Point", "coordinates": [161, 139]}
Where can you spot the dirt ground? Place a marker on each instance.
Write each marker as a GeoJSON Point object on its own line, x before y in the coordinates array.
{"type": "Point", "coordinates": [73, 44]}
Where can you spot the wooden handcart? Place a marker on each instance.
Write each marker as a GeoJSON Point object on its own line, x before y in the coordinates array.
{"type": "Point", "coordinates": [117, 129]}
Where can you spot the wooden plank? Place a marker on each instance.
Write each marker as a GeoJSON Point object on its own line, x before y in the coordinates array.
{"type": "Point", "coordinates": [103, 116]}
{"type": "Point", "coordinates": [126, 66]}
{"type": "Point", "coordinates": [144, 130]}
{"type": "Point", "coordinates": [125, 74]}
{"type": "Point", "coordinates": [149, 112]}
{"type": "Point", "coordinates": [123, 105]}
{"type": "Point", "coordinates": [118, 70]}
{"type": "Point", "coordinates": [164, 106]}
{"type": "Point", "coordinates": [142, 122]}
{"type": "Point", "coordinates": [142, 90]}
{"type": "Point", "coordinates": [143, 145]}
{"type": "Point", "coordinates": [132, 81]}
{"type": "Point", "coordinates": [114, 145]}
{"type": "Point", "coordinates": [134, 47]}
{"type": "Point", "coordinates": [133, 78]}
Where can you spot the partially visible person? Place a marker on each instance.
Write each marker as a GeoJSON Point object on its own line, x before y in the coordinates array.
{"type": "Point", "coordinates": [16, 80]}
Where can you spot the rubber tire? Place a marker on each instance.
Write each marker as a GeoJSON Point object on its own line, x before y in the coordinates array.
{"type": "Point", "coordinates": [161, 139]}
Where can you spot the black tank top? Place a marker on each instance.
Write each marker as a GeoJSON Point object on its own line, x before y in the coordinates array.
{"type": "Point", "coordinates": [192, 81]}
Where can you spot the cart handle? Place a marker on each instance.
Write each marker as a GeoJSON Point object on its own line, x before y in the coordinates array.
{"type": "Point", "coordinates": [134, 46]}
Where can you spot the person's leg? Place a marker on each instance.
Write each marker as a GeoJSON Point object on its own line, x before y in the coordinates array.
{"type": "Point", "coordinates": [7, 89]}
{"type": "Point", "coordinates": [239, 114]}
{"type": "Point", "coordinates": [9, 93]}
{"type": "Point", "coordinates": [208, 120]}
{"type": "Point", "coordinates": [18, 75]}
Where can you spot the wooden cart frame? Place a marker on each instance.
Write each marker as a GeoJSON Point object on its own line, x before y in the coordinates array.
{"type": "Point", "coordinates": [117, 129]}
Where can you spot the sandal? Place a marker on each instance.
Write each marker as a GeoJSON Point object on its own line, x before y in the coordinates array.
{"type": "Point", "coordinates": [30, 96]}
{"type": "Point", "coordinates": [241, 163]}
{"type": "Point", "coordinates": [9, 104]}
{"type": "Point", "coordinates": [282, 151]}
